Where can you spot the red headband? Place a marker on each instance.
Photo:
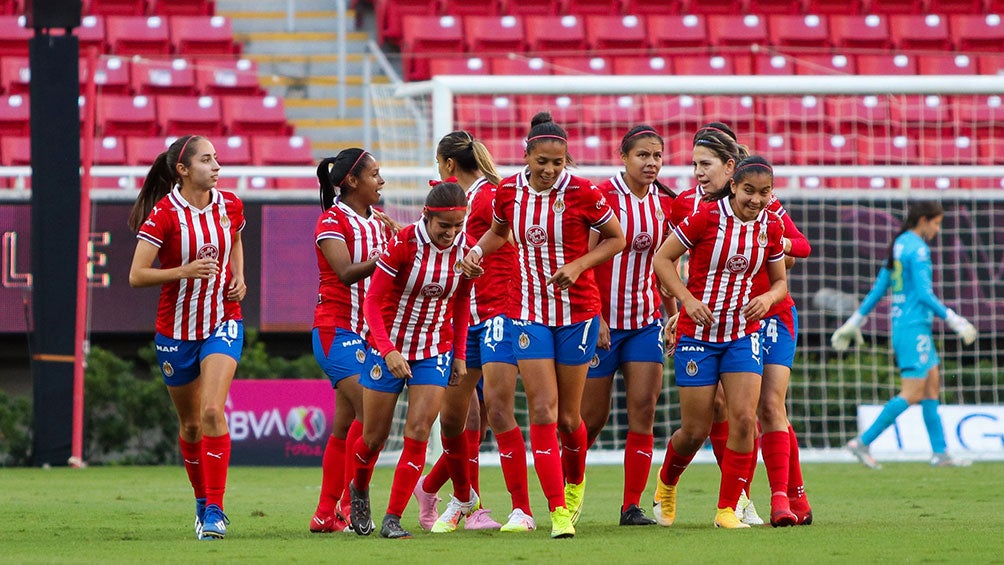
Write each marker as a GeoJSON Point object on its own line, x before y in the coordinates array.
{"type": "Point", "coordinates": [433, 182]}
{"type": "Point", "coordinates": [356, 161]}
{"type": "Point", "coordinates": [547, 136]}
{"type": "Point", "coordinates": [751, 165]}
{"type": "Point", "coordinates": [445, 208]}
{"type": "Point", "coordinates": [183, 146]}
{"type": "Point", "coordinates": [651, 131]}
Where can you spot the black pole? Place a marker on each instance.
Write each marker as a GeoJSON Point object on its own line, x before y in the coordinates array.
{"type": "Point", "coordinates": [55, 221]}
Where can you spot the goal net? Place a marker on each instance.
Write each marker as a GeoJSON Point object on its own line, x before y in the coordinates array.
{"type": "Point", "coordinates": [851, 154]}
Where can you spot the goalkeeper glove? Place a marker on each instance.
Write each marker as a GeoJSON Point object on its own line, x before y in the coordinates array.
{"type": "Point", "coordinates": [961, 326]}
{"type": "Point", "coordinates": [850, 331]}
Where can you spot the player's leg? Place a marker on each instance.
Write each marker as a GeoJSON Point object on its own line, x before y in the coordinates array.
{"type": "Point", "coordinates": [596, 404]}
{"type": "Point", "coordinates": [643, 384]}
{"type": "Point", "coordinates": [326, 517]}
{"type": "Point", "coordinates": [187, 399]}
{"type": "Point", "coordinates": [500, 393]}
{"type": "Point", "coordinates": [217, 373]}
{"type": "Point", "coordinates": [696, 406]}
{"type": "Point", "coordinates": [456, 401]}
{"type": "Point", "coordinates": [775, 441]}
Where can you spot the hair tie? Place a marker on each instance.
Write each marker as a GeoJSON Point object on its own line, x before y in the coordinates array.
{"type": "Point", "coordinates": [470, 145]}
{"type": "Point", "coordinates": [546, 136]}
{"type": "Point", "coordinates": [433, 182]}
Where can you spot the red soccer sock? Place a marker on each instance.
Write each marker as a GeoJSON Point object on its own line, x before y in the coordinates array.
{"type": "Point", "coordinates": [474, 458]}
{"type": "Point", "coordinates": [573, 454]}
{"type": "Point", "coordinates": [547, 463]}
{"type": "Point", "coordinates": [355, 432]}
{"type": "Point", "coordinates": [734, 468]}
{"type": "Point", "coordinates": [455, 455]}
{"type": "Point", "coordinates": [719, 436]}
{"type": "Point", "coordinates": [191, 454]}
{"type": "Point", "coordinates": [776, 449]}
{"type": "Point", "coordinates": [332, 475]}
{"type": "Point", "coordinates": [216, 458]}
{"type": "Point", "coordinates": [756, 453]}
{"type": "Point", "coordinates": [637, 466]}
{"type": "Point", "coordinates": [673, 465]}
{"type": "Point", "coordinates": [796, 485]}
{"type": "Point", "coordinates": [439, 474]}
{"type": "Point", "coordinates": [363, 461]}
{"type": "Point", "coordinates": [406, 475]}
{"type": "Point", "coordinates": [512, 456]}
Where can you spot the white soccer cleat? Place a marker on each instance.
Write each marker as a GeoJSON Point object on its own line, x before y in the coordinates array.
{"type": "Point", "coordinates": [519, 521]}
{"type": "Point", "coordinates": [860, 451]}
{"type": "Point", "coordinates": [455, 510]}
{"type": "Point", "coordinates": [946, 460]}
{"type": "Point", "coordinates": [746, 511]}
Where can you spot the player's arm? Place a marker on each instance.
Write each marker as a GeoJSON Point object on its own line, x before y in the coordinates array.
{"type": "Point", "coordinates": [611, 243]}
{"type": "Point", "coordinates": [336, 253]}
{"type": "Point", "coordinates": [922, 276]}
{"type": "Point", "coordinates": [237, 288]}
{"type": "Point", "coordinates": [850, 331]}
{"type": "Point", "coordinates": [461, 319]}
{"type": "Point", "coordinates": [795, 242]}
{"type": "Point", "coordinates": [142, 273]}
{"type": "Point", "coordinates": [666, 271]}
{"type": "Point", "coordinates": [381, 287]}
{"type": "Point", "coordinates": [489, 243]}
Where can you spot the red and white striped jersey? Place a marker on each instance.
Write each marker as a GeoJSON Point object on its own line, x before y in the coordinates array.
{"type": "Point", "coordinates": [190, 309]}
{"type": "Point", "coordinates": [551, 229]}
{"type": "Point", "coordinates": [493, 291]}
{"type": "Point", "coordinates": [627, 282]}
{"type": "Point", "coordinates": [725, 256]}
{"type": "Point", "coordinates": [417, 313]}
{"type": "Point", "coordinates": [338, 305]}
{"type": "Point", "coordinates": [685, 204]}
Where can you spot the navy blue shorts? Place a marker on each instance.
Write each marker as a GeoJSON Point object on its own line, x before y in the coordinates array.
{"type": "Point", "coordinates": [574, 344]}
{"type": "Point", "coordinates": [344, 358]}
{"type": "Point", "coordinates": [180, 360]}
{"type": "Point", "coordinates": [641, 345]}
{"type": "Point", "coordinates": [701, 363]}
{"type": "Point", "coordinates": [431, 371]}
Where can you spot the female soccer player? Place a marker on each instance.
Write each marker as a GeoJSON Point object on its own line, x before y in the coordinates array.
{"type": "Point", "coordinates": [349, 237]}
{"type": "Point", "coordinates": [489, 355]}
{"type": "Point", "coordinates": [550, 214]}
{"type": "Point", "coordinates": [731, 237]}
{"type": "Point", "coordinates": [416, 308]}
{"type": "Point", "coordinates": [630, 336]}
{"type": "Point", "coordinates": [194, 232]}
{"type": "Point", "coordinates": [908, 272]}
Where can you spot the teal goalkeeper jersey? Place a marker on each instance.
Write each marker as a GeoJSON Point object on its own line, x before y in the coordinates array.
{"type": "Point", "coordinates": [913, 301]}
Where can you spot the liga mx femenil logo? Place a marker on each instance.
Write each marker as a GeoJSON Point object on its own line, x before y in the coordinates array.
{"type": "Point", "coordinates": [306, 423]}
{"type": "Point", "coordinates": [738, 263]}
{"type": "Point", "coordinates": [208, 251]}
{"type": "Point", "coordinates": [536, 236]}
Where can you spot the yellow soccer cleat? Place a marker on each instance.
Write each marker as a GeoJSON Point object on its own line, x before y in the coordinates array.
{"type": "Point", "coordinates": [664, 507]}
{"type": "Point", "coordinates": [726, 518]}
{"type": "Point", "coordinates": [573, 499]}
{"type": "Point", "coordinates": [561, 523]}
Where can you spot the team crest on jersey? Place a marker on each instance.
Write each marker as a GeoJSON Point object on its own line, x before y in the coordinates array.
{"type": "Point", "coordinates": [738, 263]}
{"type": "Point", "coordinates": [376, 373]}
{"type": "Point", "coordinates": [524, 340]}
{"type": "Point", "coordinates": [168, 369]}
{"type": "Point", "coordinates": [642, 242]}
{"type": "Point", "coordinates": [456, 267]}
{"type": "Point", "coordinates": [559, 206]}
{"type": "Point", "coordinates": [692, 368]}
{"type": "Point", "coordinates": [536, 236]}
{"type": "Point", "coordinates": [660, 214]}
{"type": "Point", "coordinates": [224, 221]}
{"type": "Point", "coordinates": [432, 290]}
{"type": "Point", "coordinates": [360, 356]}
{"type": "Point", "coordinates": [208, 251]}
{"type": "Point", "coordinates": [762, 239]}
{"type": "Point", "coordinates": [594, 362]}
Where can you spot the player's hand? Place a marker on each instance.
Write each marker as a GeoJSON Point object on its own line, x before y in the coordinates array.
{"type": "Point", "coordinates": [669, 334]}
{"type": "Point", "coordinates": [201, 269]}
{"type": "Point", "coordinates": [757, 308]}
{"type": "Point", "coordinates": [398, 365]}
{"type": "Point", "coordinates": [789, 262]}
{"type": "Point", "coordinates": [566, 276]}
{"type": "Point", "coordinates": [387, 221]}
{"type": "Point", "coordinates": [471, 265]}
{"type": "Point", "coordinates": [237, 290]}
{"type": "Point", "coordinates": [458, 372]}
{"type": "Point", "coordinates": [845, 334]}
{"type": "Point", "coordinates": [962, 327]}
{"type": "Point", "coordinates": [699, 312]}
{"type": "Point", "coordinates": [603, 341]}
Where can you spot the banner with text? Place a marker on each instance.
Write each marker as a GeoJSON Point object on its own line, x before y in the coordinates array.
{"type": "Point", "coordinates": [970, 431]}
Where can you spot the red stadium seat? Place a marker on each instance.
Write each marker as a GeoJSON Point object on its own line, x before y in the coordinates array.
{"type": "Point", "coordinates": [91, 33]}
{"type": "Point", "coordinates": [611, 116]}
{"type": "Point", "coordinates": [233, 150]}
{"type": "Point", "coordinates": [886, 64]}
{"type": "Point", "coordinates": [954, 6]}
{"type": "Point", "coordinates": [583, 65]}
{"type": "Point", "coordinates": [917, 112]}
{"type": "Point", "coordinates": [281, 151]}
{"type": "Point", "coordinates": [717, 6]}
{"type": "Point", "coordinates": [520, 65]}
{"type": "Point", "coordinates": [774, 6]}
{"type": "Point", "coordinates": [142, 151]}
{"type": "Point", "coordinates": [112, 76]}
{"type": "Point", "coordinates": [15, 75]}
{"type": "Point", "coordinates": [674, 32]}
{"type": "Point", "coordinates": [10, 7]}
{"type": "Point", "coordinates": [799, 31]}
{"type": "Point", "coordinates": [849, 183]}
{"type": "Point", "coordinates": [824, 149]}
{"type": "Point", "coordinates": [507, 150]}
{"type": "Point", "coordinates": [15, 151]}
{"type": "Point", "coordinates": [774, 147]}
{"type": "Point", "coordinates": [734, 29]}
{"type": "Point", "coordinates": [991, 64]}
{"type": "Point", "coordinates": [252, 115]}
{"type": "Point", "coordinates": [203, 35]}
{"type": "Point", "coordinates": [646, 7]}
{"type": "Point", "coordinates": [975, 114]}
{"type": "Point", "coordinates": [107, 151]}
{"type": "Point", "coordinates": [458, 66]}
{"type": "Point", "coordinates": [594, 7]}
{"type": "Point", "coordinates": [740, 112]}
{"type": "Point", "coordinates": [489, 117]}
{"type": "Point", "coordinates": [391, 13]}
{"type": "Point", "coordinates": [991, 151]}
{"type": "Point", "coordinates": [594, 150]}
{"type": "Point", "coordinates": [183, 115]}
{"type": "Point", "coordinates": [917, 31]}
{"type": "Point", "coordinates": [138, 35]}
{"type": "Point", "coordinates": [14, 36]}
{"type": "Point", "coordinates": [227, 77]}
{"type": "Point", "coordinates": [182, 7]}
{"type": "Point", "coordinates": [703, 65]}
{"type": "Point", "coordinates": [470, 7]}
{"type": "Point", "coordinates": [776, 64]}
{"type": "Point", "coordinates": [959, 150]}
{"type": "Point", "coordinates": [887, 150]}
{"type": "Point", "coordinates": [565, 110]}
{"type": "Point", "coordinates": [616, 33]}
{"type": "Point", "coordinates": [804, 114]}
{"type": "Point", "coordinates": [540, 8]}
{"type": "Point", "coordinates": [946, 64]}
{"type": "Point", "coordinates": [495, 34]}
{"type": "Point", "coordinates": [15, 115]}
{"type": "Point", "coordinates": [893, 6]}
{"type": "Point", "coordinates": [555, 33]}
{"type": "Point", "coordinates": [126, 115]}
{"type": "Point", "coordinates": [651, 66]}
{"type": "Point", "coordinates": [868, 115]}
{"type": "Point", "coordinates": [860, 31]}
{"type": "Point", "coordinates": [426, 36]}
{"type": "Point", "coordinates": [977, 32]}
{"type": "Point", "coordinates": [837, 64]}
{"type": "Point", "coordinates": [115, 7]}
{"type": "Point", "coordinates": [673, 116]}
{"type": "Point", "coordinates": [163, 76]}
{"type": "Point", "coordinates": [677, 149]}
{"type": "Point", "coordinates": [842, 7]}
